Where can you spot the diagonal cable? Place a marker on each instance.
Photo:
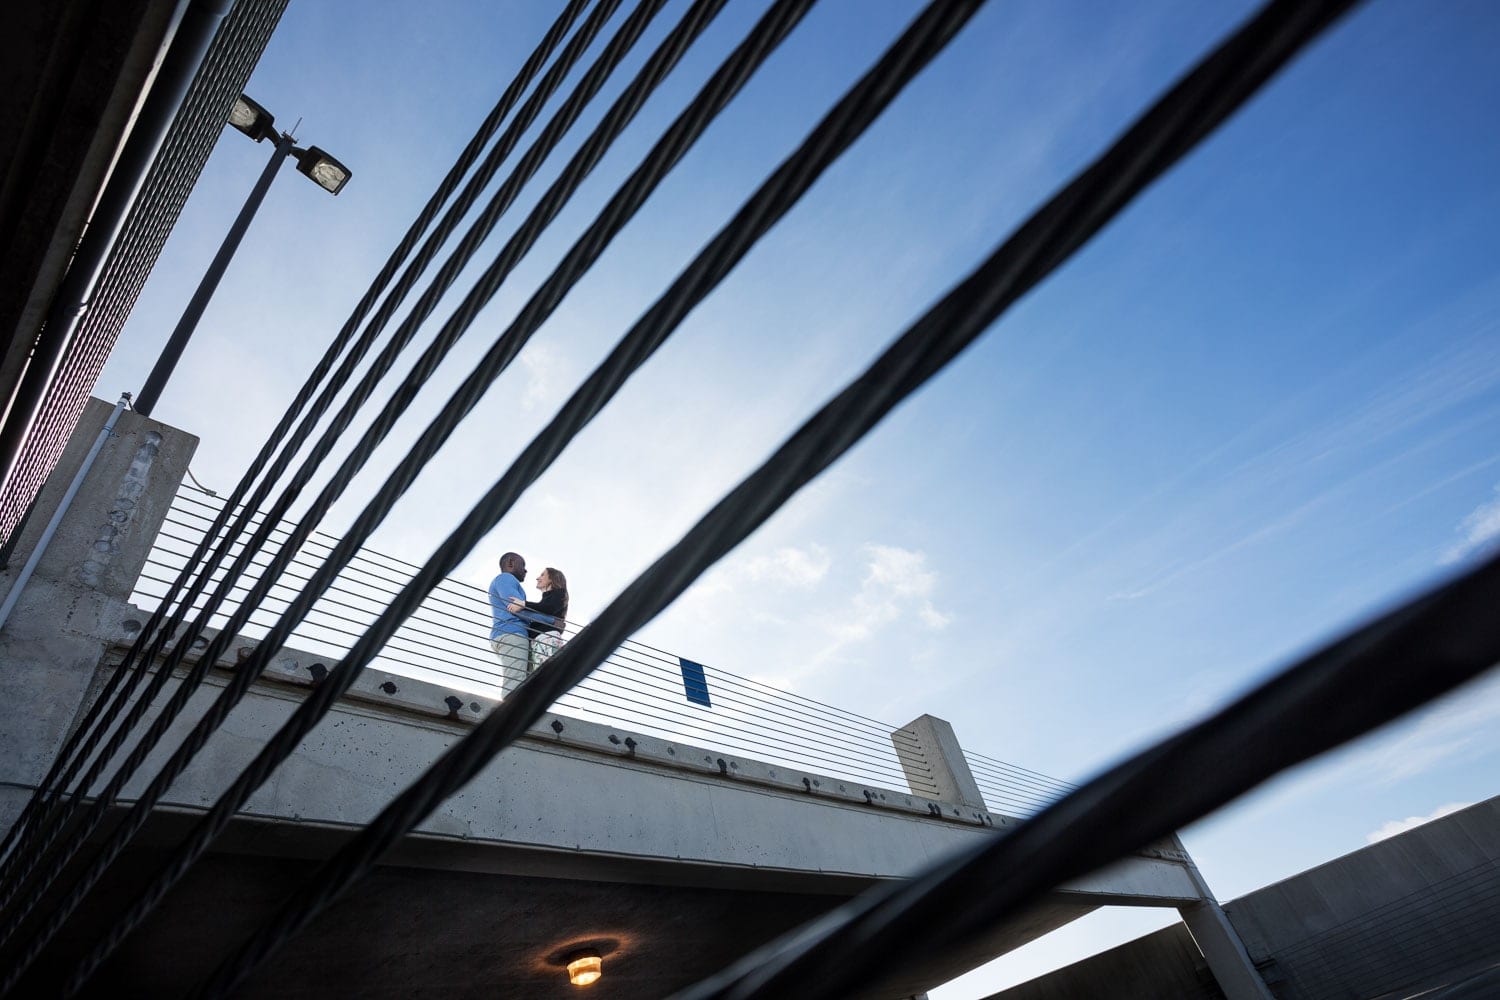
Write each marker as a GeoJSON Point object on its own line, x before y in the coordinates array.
{"type": "Point", "coordinates": [48, 834]}
{"type": "Point", "coordinates": [926, 37]}
{"type": "Point", "coordinates": [1188, 113]}
{"type": "Point", "coordinates": [845, 123]}
{"type": "Point", "coordinates": [84, 738]}
{"type": "Point", "coordinates": [1404, 659]}
{"type": "Point", "coordinates": [619, 46]}
{"type": "Point", "coordinates": [614, 53]}
{"type": "Point", "coordinates": [725, 83]}
{"type": "Point", "coordinates": [1374, 674]}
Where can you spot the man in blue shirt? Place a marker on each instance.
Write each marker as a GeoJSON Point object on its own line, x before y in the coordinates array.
{"type": "Point", "coordinates": [508, 636]}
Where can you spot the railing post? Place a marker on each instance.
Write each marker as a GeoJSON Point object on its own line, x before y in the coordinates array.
{"type": "Point", "coordinates": [934, 762]}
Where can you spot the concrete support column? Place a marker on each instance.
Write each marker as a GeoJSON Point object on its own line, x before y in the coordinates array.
{"type": "Point", "coordinates": [934, 762]}
{"type": "Point", "coordinates": [1219, 942]}
{"type": "Point", "coordinates": [51, 647]}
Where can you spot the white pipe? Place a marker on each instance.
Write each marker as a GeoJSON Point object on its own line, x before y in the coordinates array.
{"type": "Point", "coordinates": [62, 508]}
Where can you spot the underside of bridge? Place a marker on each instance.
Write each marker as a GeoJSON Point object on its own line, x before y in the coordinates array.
{"type": "Point", "coordinates": [421, 928]}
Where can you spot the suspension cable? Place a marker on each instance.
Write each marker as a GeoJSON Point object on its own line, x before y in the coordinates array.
{"type": "Point", "coordinates": [1190, 111]}
{"type": "Point", "coordinates": [628, 33]}
{"type": "Point", "coordinates": [84, 737]}
{"type": "Point", "coordinates": [763, 39]}
{"type": "Point", "coordinates": [927, 36]}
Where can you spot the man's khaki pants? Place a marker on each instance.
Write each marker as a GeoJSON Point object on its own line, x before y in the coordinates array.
{"type": "Point", "coordinates": [513, 653]}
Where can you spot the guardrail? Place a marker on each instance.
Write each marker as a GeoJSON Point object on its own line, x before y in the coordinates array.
{"type": "Point", "coordinates": [638, 687]}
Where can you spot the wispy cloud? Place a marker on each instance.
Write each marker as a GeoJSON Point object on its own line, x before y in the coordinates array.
{"type": "Point", "coordinates": [790, 566]}
{"type": "Point", "coordinates": [1395, 826]}
{"type": "Point", "coordinates": [1478, 530]}
{"type": "Point", "coordinates": [547, 374]}
{"type": "Point", "coordinates": [897, 584]}
{"type": "Point", "coordinates": [799, 614]}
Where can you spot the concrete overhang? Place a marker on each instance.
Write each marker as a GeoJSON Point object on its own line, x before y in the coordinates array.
{"type": "Point", "coordinates": [672, 858]}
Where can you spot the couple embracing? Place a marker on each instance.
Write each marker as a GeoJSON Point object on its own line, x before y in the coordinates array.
{"type": "Point", "coordinates": [525, 632]}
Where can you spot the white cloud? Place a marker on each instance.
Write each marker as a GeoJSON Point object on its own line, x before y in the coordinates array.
{"type": "Point", "coordinates": [548, 376]}
{"type": "Point", "coordinates": [790, 566]}
{"type": "Point", "coordinates": [1480, 528]}
{"type": "Point", "coordinates": [1395, 826]}
{"type": "Point", "coordinates": [897, 584]}
{"type": "Point", "coordinates": [933, 618]}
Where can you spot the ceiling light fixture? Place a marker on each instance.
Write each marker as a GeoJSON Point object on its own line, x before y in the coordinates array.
{"type": "Point", "coordinates": [585, 967]}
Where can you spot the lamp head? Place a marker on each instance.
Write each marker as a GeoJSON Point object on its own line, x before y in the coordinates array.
{"type": "Point", "coordinates": [252, 119]}
{"type": "Point", "coordinates": [328, 173]}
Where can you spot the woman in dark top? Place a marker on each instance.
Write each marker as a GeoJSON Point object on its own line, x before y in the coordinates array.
{"type": "Point", "coordinates": [546, 618]}
{"type": "Point", "coordinates": [550, 614]}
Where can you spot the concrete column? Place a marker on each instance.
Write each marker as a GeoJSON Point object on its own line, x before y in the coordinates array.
{"type": "Point", "coordinates": [1219, 942]}
{"type": "Point", "coordinates": [934, 762]}
{"type": "Point", "coordinates": [52, 645]}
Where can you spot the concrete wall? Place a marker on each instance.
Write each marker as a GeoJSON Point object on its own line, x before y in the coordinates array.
{"type": "Point", "coordinates": [1403, 912]}
{"type": "Point", "coordinates": [73, 606]}
{"type": "Point", "coordinates": [1415, 911]}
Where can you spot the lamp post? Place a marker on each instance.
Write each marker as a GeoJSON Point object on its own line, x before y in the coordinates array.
{"type": "Point", "coordinates": [328, 173]}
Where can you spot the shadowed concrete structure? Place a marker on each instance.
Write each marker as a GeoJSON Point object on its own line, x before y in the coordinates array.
{"type": "Point", "coordinates": [671, 858]}
{"type": "Point", "coordinates": [1417, 913]}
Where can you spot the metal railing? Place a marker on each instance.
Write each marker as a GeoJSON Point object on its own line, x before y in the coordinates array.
{"type": "Point", "coordinates": [638, 687]}
{"type": "Point", "coordinates": [1013, 790]}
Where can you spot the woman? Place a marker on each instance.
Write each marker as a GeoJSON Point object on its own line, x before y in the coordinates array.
{"type": "Point", "coordinates": [546, 618]}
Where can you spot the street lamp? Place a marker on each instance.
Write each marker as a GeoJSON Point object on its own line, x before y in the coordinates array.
{"type": "Point", "coordinates": [325, 171]}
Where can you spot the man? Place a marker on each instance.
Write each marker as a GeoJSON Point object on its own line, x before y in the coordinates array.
{"type": "Point", "coordinates": [508, 636]}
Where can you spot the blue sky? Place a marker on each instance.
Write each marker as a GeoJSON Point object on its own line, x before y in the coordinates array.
{"type": "Point", "coordinates": [1262, 405]}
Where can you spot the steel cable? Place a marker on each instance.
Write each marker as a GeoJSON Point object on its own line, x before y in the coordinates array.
{"type": "Point", "coordinates": [917, 46]}
{"type": "Point", "coordinates": [768, 32]}
{"type": "Point", "coordinates": [1371, 676]}
{"type": "Point", "coordinates": [385, 360]}
{"type": "Point", "coordinates": [921, 42]}
{"type": "Point", "coordinates": [571, 53]}
{"type": "Point", "coordinates": [655, 70]}
{"type": "Point", "coordinates": [85, 734]}
{"type": "Point", "coordinates": [621, 113]}
{"type": "Point", "coordinates": [614, 52]}
{"type": "Point", "coordinates": [1190, 111]}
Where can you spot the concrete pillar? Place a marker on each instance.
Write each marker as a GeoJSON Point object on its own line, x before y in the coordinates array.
{"type": "Point", "coordinates": [1219, 942]}
{"type": "Point", "coordinates": [52, 645]}
{"type": "Point", "coordinates": [934, 762]}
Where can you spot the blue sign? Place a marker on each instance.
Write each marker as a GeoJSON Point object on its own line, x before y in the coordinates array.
{"type": "Point", "coordinates": [694, 684]}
